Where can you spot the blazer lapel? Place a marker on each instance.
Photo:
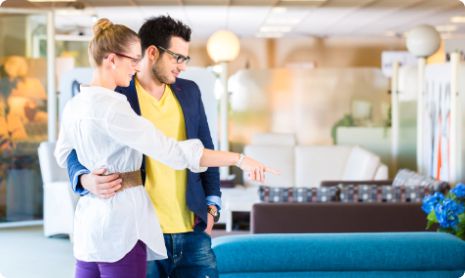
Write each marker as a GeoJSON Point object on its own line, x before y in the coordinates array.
{"type": "Point", "coordinates": [180, 94]}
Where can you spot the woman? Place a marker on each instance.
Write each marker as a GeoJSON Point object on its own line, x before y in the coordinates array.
{"type": "Point", "coordinates": [111, 235]}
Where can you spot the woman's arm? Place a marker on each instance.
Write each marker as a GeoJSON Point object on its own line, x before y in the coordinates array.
{"type": "Point", "coordinates": [136, 132]}
{"type": "Point", "coordinates": [255, 169]}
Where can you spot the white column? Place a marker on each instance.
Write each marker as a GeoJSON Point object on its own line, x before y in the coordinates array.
{"type": "Point", "coordinates": [455, 144]}
{"type": "Point", "coordinates": [224, 105]}
{"type": "Point", "coordinates": [51, 90]}
{"type": "Point", "coordinates": [395, 116]}
{"type": "Point", "coordinates": [420, 93]}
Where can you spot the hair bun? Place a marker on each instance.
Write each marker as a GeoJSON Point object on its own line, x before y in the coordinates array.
{"type": "Point", "coordinates": [101, 25]}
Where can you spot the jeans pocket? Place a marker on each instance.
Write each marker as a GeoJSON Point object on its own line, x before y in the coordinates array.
{"type": "Point", "coordinates": [206, 234]}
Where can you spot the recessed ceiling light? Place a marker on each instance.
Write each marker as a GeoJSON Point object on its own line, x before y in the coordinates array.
{"type": "Point", "coordinates": [279, 10]}
{"type": "Point", "coordinates": [457, 19]}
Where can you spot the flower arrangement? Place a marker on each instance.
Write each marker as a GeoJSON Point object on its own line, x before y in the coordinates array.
{"type": "Point", "coordinates": [448, 211]}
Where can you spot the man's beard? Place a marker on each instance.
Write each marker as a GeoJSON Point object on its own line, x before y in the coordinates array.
{"type": "Point", "coordinates": [159, 76]}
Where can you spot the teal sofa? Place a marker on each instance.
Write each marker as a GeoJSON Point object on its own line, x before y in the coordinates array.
{"type": "Point", "coordinates": [406, 254]}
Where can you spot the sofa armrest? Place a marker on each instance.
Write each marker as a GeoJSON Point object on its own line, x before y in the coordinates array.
{"type": "Point", "coordinates": [382, 172]}
{"type": "Point", "coordinates": [336, 217]}
{"type": "Point", "coordinates": [356, 183]}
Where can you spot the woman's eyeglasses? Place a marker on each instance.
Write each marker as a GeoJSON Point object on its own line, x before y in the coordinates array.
{"type": "Point", "coordinates": [134, 61]}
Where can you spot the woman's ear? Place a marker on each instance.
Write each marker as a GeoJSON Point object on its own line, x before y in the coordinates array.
{"type": "Point", "coordinates": [111, 60]}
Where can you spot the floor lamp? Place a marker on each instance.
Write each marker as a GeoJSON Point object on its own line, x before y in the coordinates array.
{"type": "Point", "coordinates": [223, 47]}
{"type": "Point", "coordinates": [422, 41]}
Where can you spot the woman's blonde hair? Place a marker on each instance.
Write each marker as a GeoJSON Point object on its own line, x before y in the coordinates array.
{"type": "Point", "coordinates": [109, 38]}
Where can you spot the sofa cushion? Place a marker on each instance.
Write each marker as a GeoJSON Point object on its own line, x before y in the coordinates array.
{"type": "Point", "coordinates": [361, 165]}
{"type": "Point", "coordinates": [364, 252]}
{"type": "Point", "coordinates": [278, 157]}
{"type": "Point", "coordinates": [409, 178]}
{"type": "Point", "coordinates": [314, 164]}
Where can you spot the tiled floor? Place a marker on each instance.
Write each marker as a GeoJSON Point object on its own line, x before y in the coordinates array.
{"type": "Point", "coordinates": [25, 252]}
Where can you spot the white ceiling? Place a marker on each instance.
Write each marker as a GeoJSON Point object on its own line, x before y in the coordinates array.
{"type": "Point", "coordinates": [331, 18]}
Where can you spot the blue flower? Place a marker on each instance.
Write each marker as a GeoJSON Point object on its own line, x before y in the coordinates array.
{"type": "Point", "coordinates": [459, 190]}
{"type": "Point", "coordinates": [448, 212]}
{"type": "Point", "coordinates": [430, 201]}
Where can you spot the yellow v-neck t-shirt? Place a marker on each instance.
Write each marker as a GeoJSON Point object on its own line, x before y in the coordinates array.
{"type": "Point", "coordinates": [166, 186]}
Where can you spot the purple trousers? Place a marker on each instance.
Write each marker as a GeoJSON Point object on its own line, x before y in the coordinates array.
{"type": "Point", "coordinates": [132, 265]}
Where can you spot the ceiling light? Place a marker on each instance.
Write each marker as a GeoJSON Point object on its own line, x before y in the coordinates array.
{"type": "Point", "coordinates": [279, 10]}
{"type": "Point", "coordinates": [223, 46]}
{"type": "Point", "coordinates": [457, 19]}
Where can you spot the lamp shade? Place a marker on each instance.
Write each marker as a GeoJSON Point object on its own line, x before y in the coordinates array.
{"type": "Point", "coordinates": [223, 46]}
{"type": "Point", "coordinates": [423, 40]}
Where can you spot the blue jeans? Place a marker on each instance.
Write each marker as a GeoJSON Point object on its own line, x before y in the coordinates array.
{"type": "Point", "coordinates": [189, 255]}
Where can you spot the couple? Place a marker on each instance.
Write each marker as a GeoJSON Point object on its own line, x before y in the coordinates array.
{"type": "Point", "coordinates": [116, 227]}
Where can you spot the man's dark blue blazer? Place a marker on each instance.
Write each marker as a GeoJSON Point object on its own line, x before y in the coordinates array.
{"type": "Point", "coordinates": [199, 185]}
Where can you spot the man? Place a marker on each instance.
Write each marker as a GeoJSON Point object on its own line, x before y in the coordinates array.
{"type": "Point", "coordinates": [186, 202]}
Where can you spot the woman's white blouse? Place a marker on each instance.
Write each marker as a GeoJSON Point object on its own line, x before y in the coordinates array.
{"type": "Point", "coordinates": [105, 132]}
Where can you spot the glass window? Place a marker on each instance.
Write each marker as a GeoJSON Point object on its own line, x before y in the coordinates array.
{"type": "Point", "coordinates": [23, 114]}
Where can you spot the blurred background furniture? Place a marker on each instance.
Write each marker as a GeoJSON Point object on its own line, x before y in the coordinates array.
{"type": "Point", "coordinates": [299, 166]}
{"type": "Point", "coordinates": [346, 206]}
{"type": "Point", "coordinates": [59, 199]}
{"type": "Point", "coordinates": [335, 217]}
{"type": "Point", "coordinates": [407, 254]}
{"type": "Point", "coordinates": [308, 165]}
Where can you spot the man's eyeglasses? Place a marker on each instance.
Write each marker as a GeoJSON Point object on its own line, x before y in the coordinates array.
{"type": "Point", "coordinates": [179, 57]}
{"type": "Point", "coordinates": [134, 61]}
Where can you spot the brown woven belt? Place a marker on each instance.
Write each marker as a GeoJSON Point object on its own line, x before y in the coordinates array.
{"type": "Point", "coordinates": [130, 179]}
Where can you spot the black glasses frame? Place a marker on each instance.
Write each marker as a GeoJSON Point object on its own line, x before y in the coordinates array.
{"type": "Point", "coordinates": [179, 57]}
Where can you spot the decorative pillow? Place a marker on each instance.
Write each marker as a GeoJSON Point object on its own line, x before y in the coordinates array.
{"type": "Point", "coordinates": [297, 194]}
{"type": "Point", "coordinates": [344, 193]}
{"type": "Point", "coordinates": [409, 178]}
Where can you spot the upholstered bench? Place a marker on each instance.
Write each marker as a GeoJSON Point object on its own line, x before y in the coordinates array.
{"type": "Point", "coordinates": [411, 254]}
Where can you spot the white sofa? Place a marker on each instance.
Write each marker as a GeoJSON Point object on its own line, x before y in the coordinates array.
{"type": "Point", "coordinates": [300, 166]}
{"type": "Point", "coordinates": [59, 199]}
{"type": "Point", "coordinates": [308, 165]}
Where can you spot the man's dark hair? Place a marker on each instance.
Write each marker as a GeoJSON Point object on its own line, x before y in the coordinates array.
{"type": "Point", "coordinates": [158, 31]}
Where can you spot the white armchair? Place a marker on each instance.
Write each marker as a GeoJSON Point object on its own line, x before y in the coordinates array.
{"type": "Point", "coordinates": [59, 199]}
